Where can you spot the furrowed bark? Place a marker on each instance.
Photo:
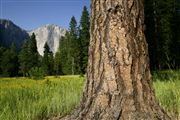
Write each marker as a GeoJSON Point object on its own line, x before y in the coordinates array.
{"type": "Point", "coordinates": [118, 85]}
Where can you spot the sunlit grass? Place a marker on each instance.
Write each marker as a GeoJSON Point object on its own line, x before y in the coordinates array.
{"type": "Point", "coordinates": [167, 89]}
{"type": "Point", "coordinates": [26, 99]}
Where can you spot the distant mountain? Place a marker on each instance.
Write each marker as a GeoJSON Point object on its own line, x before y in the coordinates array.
{"type": "Point", "coordinates": [49, 33]}
{"type": "Point", "coordinates": [11, 33]}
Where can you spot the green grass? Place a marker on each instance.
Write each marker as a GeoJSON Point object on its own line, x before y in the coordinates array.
{"type": "Point", "coordinates": [167, 89]}
{"type": "Point", "coordinates": [168, 94]}
{"type": "Point", "coordinates": [26, 99]}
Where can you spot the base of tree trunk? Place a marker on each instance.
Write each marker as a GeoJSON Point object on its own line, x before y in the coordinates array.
{"type": "Point", "coordinates": [116, 113]}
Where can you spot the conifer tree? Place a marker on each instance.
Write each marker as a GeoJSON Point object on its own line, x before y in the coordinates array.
{"type": "Point", "coordinates": [57, 65]}
{"type": "Point", "coordinates": [51, 63]}
{"type": "Point", "coordinates": [2, 49]}
{"type": "Point", "coordinates": [9, 62]}
{"type": "Point", "coordinates": [65, 56]}
{"type": "Point", "coordinates": [84, 37]}
{"type": "Point", "coordinates": [29, 56]}
{"type": "Point", "coordinates": [24, 59]}
{"type": "Point", "coordinates": [73, 51]}
{"type": "Point", "coordinates": [69, 49]}
{"type": "Point", "coordinates": [47, 61]}
{"type": "Point", "coordinates": [34, 55]}
{"type": "Point", "coordinates": [60, 57]}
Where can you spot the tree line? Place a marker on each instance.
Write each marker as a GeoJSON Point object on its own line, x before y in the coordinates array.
{"type": "Point", "coordinates": [71, 57]}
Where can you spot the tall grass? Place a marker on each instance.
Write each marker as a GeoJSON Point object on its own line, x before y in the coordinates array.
{"type": "Point", "coordinates": [167, 89]}
{"type": "Point", "coordinates": [25, 99]}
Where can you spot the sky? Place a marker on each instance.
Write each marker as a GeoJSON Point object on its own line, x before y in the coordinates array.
{"type": "Point", "coordinates": [31, 14]}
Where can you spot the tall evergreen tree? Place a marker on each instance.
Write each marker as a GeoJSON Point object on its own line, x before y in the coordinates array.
{"type": "Point", "coordinates": [60, 57]}
{"type": "Point", "coordinates": [73, 51]}
{"type": "Point", "coordinates": [24, 59]}
{"type": "Point", "coordinates": [57, 64]}
{"type": "Point", "coordinates": [65, 56]}
{"type": "Point", "coordinates": [47, 61]}
{"type": "Point", "coordinates": [51, 63]}
{"type": "Point", "coordinates": [32, 49]}
{"type": "Point", "coordinates": [29, 56]}
{"type": "Point", "coordinates": [84, 37]}
{"type": "Point", "coordinates": [9, 62]}
{"type": "Point", "coordinates": [2, 49]}
{"type": "Point", "coordinates": [69, 50]}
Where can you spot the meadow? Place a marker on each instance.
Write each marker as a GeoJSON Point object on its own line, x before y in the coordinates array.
{"type": "Point", "coordinates": [27, 99]}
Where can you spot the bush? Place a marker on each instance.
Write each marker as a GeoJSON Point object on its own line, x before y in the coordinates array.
{"type": "Point", "coordinates": [36, 73]}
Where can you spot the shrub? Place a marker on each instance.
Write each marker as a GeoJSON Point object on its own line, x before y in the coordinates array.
{"type": "Point", "coordinates": [36, 73]}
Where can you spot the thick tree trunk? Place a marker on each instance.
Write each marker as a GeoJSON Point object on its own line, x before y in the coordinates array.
{"type": "Point", "coordinates": [118, 85]}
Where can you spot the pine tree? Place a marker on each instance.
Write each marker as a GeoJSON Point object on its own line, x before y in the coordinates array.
{"type": "Point", "coordinates": [73, 50]}
{"type": "Point", "coordinates": [47, 60]}
{"type": "Point", "coordinates": [65, 56]}
{"type": "Point", "coordinates": [9, 62]}
{"type": "Point", "coordinates": [29, 56]}
{"type": "Point", "coordinates": [51, 63]}
{"type": "Point", "coordinates": [32, 49]}
{"type": "Point", "coordinates": [24, 59]}
{"type": "Point", "coordinates": [57, 64]}
{"type": "Point", "coordinates": [69, 49]}
{"type": "Point", "coordinates": [84, 38]}
{"type": "Point", "coordinates": [60, 57]}
{"type": "Point", "coordinates": [2, 49]}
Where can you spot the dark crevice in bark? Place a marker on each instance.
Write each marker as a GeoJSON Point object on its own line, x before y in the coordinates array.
{"type": "Point", "coordinates": [116, 9]}
{"type": "Point", "coordinates": [130, 9]}
{"type": "Point", "coordinates": [99, 87]}
{"type": "Point", "coordinates": [120, 114]}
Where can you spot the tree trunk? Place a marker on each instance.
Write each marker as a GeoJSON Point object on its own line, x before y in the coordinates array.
{"type": "Point", "coordinates": [118, 85]}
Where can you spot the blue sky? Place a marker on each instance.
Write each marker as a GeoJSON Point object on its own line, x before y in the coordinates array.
{"type": "Point", "coordinates": [30, 14]}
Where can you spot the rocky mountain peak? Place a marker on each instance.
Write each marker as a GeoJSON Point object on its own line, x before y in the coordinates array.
{"type": "Point", "coordinates": [49, 33]}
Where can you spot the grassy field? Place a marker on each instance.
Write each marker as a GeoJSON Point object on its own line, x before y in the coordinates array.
{"type": "Point", "coordinates": [26, 99]}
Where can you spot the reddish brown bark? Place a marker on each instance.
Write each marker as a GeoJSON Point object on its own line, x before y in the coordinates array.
{"type": "Point", "coordinates": [118, 85]}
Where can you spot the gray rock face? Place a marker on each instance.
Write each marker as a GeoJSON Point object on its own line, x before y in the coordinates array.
{"type": "Point", "coordinates": [11, 33]}
{"type": "Point", "coordinates": [49, 33]}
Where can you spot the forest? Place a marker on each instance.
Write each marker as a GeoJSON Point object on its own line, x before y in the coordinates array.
{"type": "Point", "coordinates": [71, 57]}
{"type": "Point", "coordinates": [162, 20]}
